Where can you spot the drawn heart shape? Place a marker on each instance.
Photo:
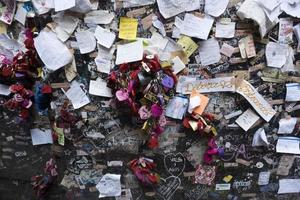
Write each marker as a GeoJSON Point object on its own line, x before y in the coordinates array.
{"type": "Point", "coordinates": [174, 163]}
{"type": "Point", "coordinates": [167, 187]}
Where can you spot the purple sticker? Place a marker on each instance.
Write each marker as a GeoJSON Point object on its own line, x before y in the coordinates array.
{"type": "Point", "coordinates": [168, 82]}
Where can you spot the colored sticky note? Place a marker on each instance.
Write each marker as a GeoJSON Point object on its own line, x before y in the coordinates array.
{"type": "Point", "coordinates": [188, 45]}
{"type": "Point", "coordinates": [128, 28]}
{"type": "Point", "coordinates": [203, 102]}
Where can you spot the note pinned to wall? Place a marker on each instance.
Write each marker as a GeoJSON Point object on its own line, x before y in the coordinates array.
{"type": "Point", "coordinates": [128, 28]}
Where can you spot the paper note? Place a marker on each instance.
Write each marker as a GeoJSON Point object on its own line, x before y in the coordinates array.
{"type": "Point", "coordinates": [291, 8]}
{"type": "Point", "coordinates": [288, 145]}
{"type": "Point", "coordinates": [159, 41]}
{"type": "Point", "coordinates": [247, 119]}
{"type": "Point", "coordinates": [270, 4]}
{"type": "Point", "coordinates": [276, 54]}
{"type": "Point", "coordinates": [65, 26]}
{"type": "Point", "coordinates": [263, 178]}
{"type": "Point", "coordinates": [178, 65]}
{"type": "Point", "coordinates": [170, 8]}
{"type": "Point", "coordinates": [99, 88]}
{"type": "Point", "coordinates": [41, 6]}
{"type": "Point", "coordinates": [252, 10]}
{"type": "Point", "coordinates": [159, 25]}
{"type": "Point", "coordinates": [209, 52]}
{"type": "Point", "coordinates": [188, 45]}
{"type": "Point", "coordinates": [177, 107]}
{"type": "Point", "coordinates": [260, 138]}
{"type": "Point", "coordinates": [3, 28]}
{"type": "Point", "coordinates": [286, 126]}
{"type": "Point", "coordinates": [52, 51]}
{"type": "Point", "coordinates": [109, 185]}
{"type": "Point", "coordinates": [71, 70]}
{"type": "Point", "coordinates": [86, 41]}
{"type": "Point", "coordinates": [39, 136]}
{"type": "Point", "coordinates": [215, 8]}
{"type": "Point", "coordinates": [297, 33]}
{"type": "Point", "coordinates": [77, 96]}
{"type": "Point", "coordinates": [60, 5]}
{"type": "Point", "coordinates": [196, 27]}
{"type": "Point", "coordinates": [4, 90]}
{"type": "Point", "coordinates": [128, 28]}
{"type": "Point", "coordinates": [8, 11]}
{"type": "Point", "coordinates": [285, 164]}
{"type": "Point", "coordinates": [104, 37]}
{"type": "Point", "coordinates": [225, 30]}
{"type": "Point", "coordinates": [285, 35]}
{"type": "Point", "coordinates": [198, 103]}
{"type": "Point", "coordinates": [247, 47]}
{"type": "Point", "coordinates": [289, 186]}
{"type": "Point", "coordinates": [99, 17]}
{"type": "Point", "coordinates": [129, 52]}
{"type": "Point", "coordinates": [292, 92]}
{"type": "Point", "coordinates": [21, 14]}
{"type": "Point", "coordinates": [227, 50]}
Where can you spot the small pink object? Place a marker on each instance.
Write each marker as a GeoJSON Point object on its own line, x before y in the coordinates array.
{"type": "Point", "coordinates": [122, 95]}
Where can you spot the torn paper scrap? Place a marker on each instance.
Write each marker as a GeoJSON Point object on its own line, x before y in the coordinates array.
{"type": "Point", "coordinates": [177, 65]}
{"type": "Point", "coordinates": [99, 88]}
{"type": "Point", "coordinates": [39, 136]}
{"type": "Point", "coordinates": [109, 186]}
{"type": "Point", "coordinates": [99, 17]}
{"type": "Point", "coordinates": [215, 8]}
{"type": "Point", "coordinates": [225, 30]}
{"type": "Point", "coordinates": [209, 52]}
{"type": "Point", "coordinates": [86, 41]}
{"type": "Point", "coordinates": [77, 96]}
{"type": "Point", "coordinates": [276, 54]}
{"type": "Point", "coordinates": [51, 50]}
{"type": "Point", "coordinates": [287, 125]}
{"type": "Point", "coordinates": [196, 27]}
{"type": "Point", "coordinates": [61, 5]}
{"type": "Point", "coordinates": [104, 37]}
{"type": "Point", "coordinates": [292, 92]}
{"type": "Point", "coordinates": [289, 186]}
{"type": "Point", "coordinates": [260, 138]}
{"type": "Point", "coordinates": [130, 52]}
{"type": "Point", "coordinates": [252, 10]}
{"type": "Point", "coordinates": [247, 119]}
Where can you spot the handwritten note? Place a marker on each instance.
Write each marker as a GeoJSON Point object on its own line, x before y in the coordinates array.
{"type": "Point", "coordinates": [99, 88]}
{"type": "Point", "coordinates": [292, 92]}
{"type": "Point", "coordinates": [60, 5]}
{"type": "Point", "coordinates": [98, 17]}
{"type": "Point", "coordinates": [128, 28]}
{"type": "Point", "coordinates": [286, 126]}
{"type": "Point", "coordinates": [129, 52]}
{"type": "Point", "coordinates": [77, 96]}
{"type": "Point", "coordinates": [104, 37]}
{"type": "Point", "coordinates": [188, 45]}
{"type": "Point", "coordinates": [288, 145]}
{"type": "Point", "coordinates": [196, 27]}
{"type": "Point", "coordinates": [276, 54]}
{"type": "Point", "coordinates": [209, 52]}
{"type": "Point", "coordinates": [225, 30]}
{"type": "Point", "coordinates": [39, 136]}
{"type": "Point", "coordinates": [86, 41]}
{"type": "Point", "coordinates": [215, 7]}
{"type": "Point", "coordinates": [247, 119]}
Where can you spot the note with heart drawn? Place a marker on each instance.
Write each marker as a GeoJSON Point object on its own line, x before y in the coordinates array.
{"type": "Point", "coordinates": [174, 163]}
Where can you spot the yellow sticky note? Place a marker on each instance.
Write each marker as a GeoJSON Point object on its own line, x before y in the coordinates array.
{"type": "Point", "coordinates": [227, 178]}
{"type": "Point", "coordinates": [188, 45]}
{"type": "Point", "coordinates": [128, 28]}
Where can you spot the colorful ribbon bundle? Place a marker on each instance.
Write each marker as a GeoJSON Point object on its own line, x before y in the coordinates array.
{"type": "Point", "coordinates": [145, 87]}
{"type": "Point", "coordinates": [143, 170]}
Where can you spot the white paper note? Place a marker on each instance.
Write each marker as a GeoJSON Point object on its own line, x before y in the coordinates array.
{"type": "Point", "coordinates": [289, 186]}
{"type": "Point", "coordinates": [260, 138]}
{"type": "Point", "coordinates": [109, 185]}
{"type": "Point", "coordinates": [227, 50]}
{"type": "Point", "coordinates": [247, 119]}
{"type": "Point", "coordinates": [286, 126]}
{"type": "Point", "coordinates": [63, 4]}
{"type": "Point", "coordinates": [65, 26]}
{"type": "Point", "coordinates": [52, 51]}
{"type": "Point", "coordinates": [99, 88]}
{"type": "Point", "coordinates": [291, 7]}
{"type": "Point", "coordinates": [215, 8]}
{"type": "Point", "coordinates": [21, 14]}
{"type": "Point", "coordinates": [297, 33]}
{"type": "Point", "coordinates": [196, 27]}
{"type": "Point", "coordinates": [225, 30]}
{"type": "Point", "coordinates": [104, 37]}
{"type": "Point", "coordinates": [276, 54]}
{"type": "Point", "coordinates": [288, 145]}
{"type": "Point", "coordinates": [209, 52]}
{"type": "Point", "coordinates": [86, 41]}
{"type": "Point", "coordinates": [292, 92]}
{"type": "Point", "coordinates": [77, 96]}
{"type": "Point", "coordinates": [99, 17]}
{"type": "Point", "coordinates": [178, 65]}
{"type": "Point", "coordinates": [129, 52]}
{"type": "Point", "coordinates": [177, 107]}
{"type": "Point", "coordinates": [39, 136]}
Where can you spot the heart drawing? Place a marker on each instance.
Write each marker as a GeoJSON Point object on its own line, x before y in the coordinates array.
{"type": "Point", "coordinates": [174, 163]}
